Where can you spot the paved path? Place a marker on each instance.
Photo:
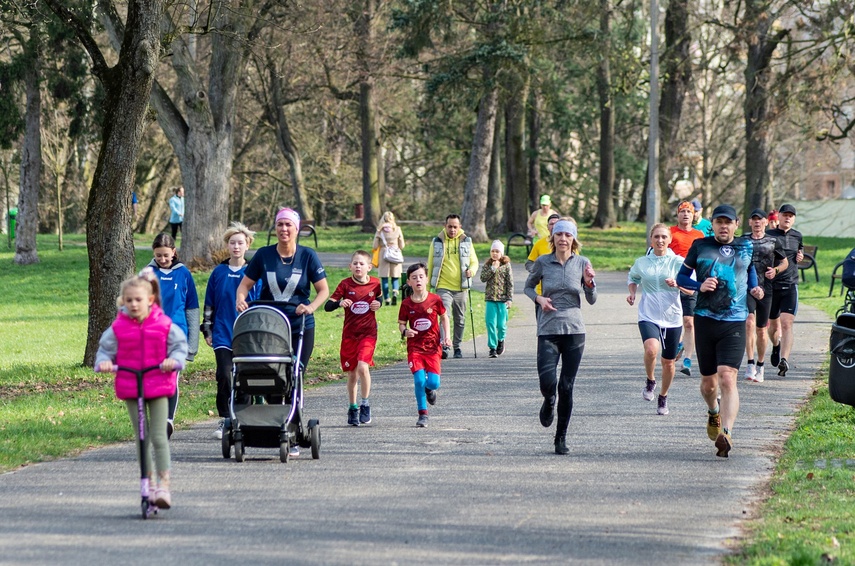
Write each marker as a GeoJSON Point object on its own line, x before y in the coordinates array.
{"type": "Point", "coordinates": [481, 485]}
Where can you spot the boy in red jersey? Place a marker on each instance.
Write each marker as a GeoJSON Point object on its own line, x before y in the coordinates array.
{"type": "Point", "coordinates": [424, 312]}
{"type": "Point", "coordinates": [359, 296]}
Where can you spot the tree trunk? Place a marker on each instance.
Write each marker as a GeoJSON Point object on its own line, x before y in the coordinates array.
{"type": "Point", "coordinates": [370, 171]}
{"type": "Point", "coordinates": [127, 88]}
{"type": "Point", "coordinates": [475, 192]}
{"type": "Point", "coordinates": [534, 150]}
{"type": "Point", "coordinates": [31, 160]}
{"type": "Point", "coordinates": [677, 73]}
{"type": "Point", "coordinates": [516, 173]}
{"type": "Point", "coordinates": [495, 194]}
{"type": "Point", "coordinates": [605, 216]}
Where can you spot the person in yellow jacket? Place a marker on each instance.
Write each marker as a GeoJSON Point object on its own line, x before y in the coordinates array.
{"type": "Point", "coordinates": [451, 266]}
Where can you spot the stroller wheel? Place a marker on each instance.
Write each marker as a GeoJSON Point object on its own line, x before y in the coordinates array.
{"type": "Point", "coordinates": [238, 450]}
{"type": "Point", "coordinates": [315, 438]}
{"type": "Point", "coordinates": [227, 439]}
{"type": "Point", "coordinates": [284, 452]}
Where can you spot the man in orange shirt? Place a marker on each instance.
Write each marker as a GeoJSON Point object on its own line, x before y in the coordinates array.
{"type": "Point", "coordinates": [682, 236]}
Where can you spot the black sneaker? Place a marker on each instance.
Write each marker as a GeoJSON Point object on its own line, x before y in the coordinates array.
{"type": "Point", "coordinates": [493, 353]}
{"type": "Point", "coordinates": [500, 348]}
{"type": "Point", "coordinates": [458, 353]}
{"type": "Point", "coordinates": [170, 428]}
{"type": "Point", "coordinates": [547, 411]}
{"type": "Point", "coordinates": [394, 299]}
{"type": "Point", "coordinates": [353, 416]}
{"type": "Point", "coordinates": [431, 396]}
{"type": "Point", "coordinates": [423, 421]}
{"type": "Point", "coordinates": [364, 414]}
{"type": "Point", "coordinates": [561, 446]}
{"type": "Point", "coordinates": [783, 367]}
{"type": "Point", "coordinates": [444, 353]}
{"type": "Point", "coordinates": [775, 359]}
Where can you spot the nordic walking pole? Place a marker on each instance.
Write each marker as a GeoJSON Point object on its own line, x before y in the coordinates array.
{"type": "Point", "coordinates": [471, 316]}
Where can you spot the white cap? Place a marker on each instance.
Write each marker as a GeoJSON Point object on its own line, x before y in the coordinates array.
{"type": "Point", "coordinates": [498, 245]}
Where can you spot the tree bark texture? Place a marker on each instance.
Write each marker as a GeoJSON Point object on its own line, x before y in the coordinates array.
{"type": "Point", "coordinates": [534, 149]}
{"type": "Point", "coordinates": [677, 75]}
{"type": "Point", "coordinates": [605, 216]}
{"type": "Point", "coordinates": [475, 192]}
{"type": "Point", "coordinates": [31, 159]}
{"type": "Point", "coordinates": [127, 89]}
{"type": "Point", "coordinates": [495, 192]}
{"type": "Point", "coordinates": [365, 28]}
{"type": "Point", "coordinates": [516, 172]}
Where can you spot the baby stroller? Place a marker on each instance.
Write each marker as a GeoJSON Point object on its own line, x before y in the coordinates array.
{"type": "Point", "coordinates": [265, 363]}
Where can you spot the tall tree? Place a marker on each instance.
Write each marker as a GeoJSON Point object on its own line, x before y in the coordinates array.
{"type": "Point", "coordinates": [365, 25]}
{"type": "Point", "coordinates": [31, 155]}
{"type": "Point", "coordinates": [605, 216]}
{"type": "Point", "coordinates": [127, 86]}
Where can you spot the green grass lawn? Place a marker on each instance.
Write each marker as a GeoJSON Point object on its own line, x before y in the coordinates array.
{"type": "Point", "coordinates": [51, 407]}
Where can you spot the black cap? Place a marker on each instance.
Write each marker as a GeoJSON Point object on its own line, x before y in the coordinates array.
{"type": "Point", "coordinates": [724, 210]}
{"type": "Point", "coordinates": [758, 212]}
{"type": "Point", "coordinates": [787, 208]}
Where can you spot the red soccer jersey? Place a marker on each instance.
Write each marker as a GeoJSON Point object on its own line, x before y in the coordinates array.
{"type": "Point", "coordinates": [359, 319]}
{"type": "Point", "coordinates": [424, 318]}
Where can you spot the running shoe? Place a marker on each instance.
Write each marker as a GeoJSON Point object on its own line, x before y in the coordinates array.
{"type": "Point", "coordinates": [395, 299]}
{"type": "Point", "coordinates": [458, 353]}
{"type": "Point", "coordinates": [162, 498]}
{"type": "Point", "coordinates": [500, 348]}
{"type": "Point", "coordinates": [783, 367]}
{"type": "Point", "coordinates": [431, 395]}
{"type": "Point", "coordinates": [493, 353]}
{"type": "Point", "coordinates": [423, 421]}
{"type": "Point", "coordinates": [750, 372]}
{"type": "Point", "coordinates": [547, 411]}
{"type": "Point", "coordinates": [713, 425]}
{"type": "Point", "coordinates": [364, 414]}
{"type": "Point", "coordinates": [353, 416]}
{"type": "Point", "coordinates": [775, 359]}
{"type": "Point", "coordinates": [444, 352]}
{"type": "Point", "coordinates": [561, 446]}
{"type": "Point", "coordinates": [219, 432]}
{"type": "Point", "coordinates": [170, 428]}
{"type": "Point", "coordinates": [662, 409]}
{"type": "Point", "coordinates": [759, 376]}
{"type": "Point", "coordinates": [295, 451]}
{"type": "Point", "coordinates": [723, 443]}
{"type": "Point", "coordinates": [648, 390]}
{"type": "Point", "coordinates": [687, 367]}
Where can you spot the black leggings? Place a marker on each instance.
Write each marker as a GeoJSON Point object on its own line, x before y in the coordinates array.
{"type": "Point", "coordinates": [566, 348]}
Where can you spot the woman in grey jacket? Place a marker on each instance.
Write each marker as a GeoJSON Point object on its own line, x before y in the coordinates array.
{"type": "Point", "coordinates": [564, 275]}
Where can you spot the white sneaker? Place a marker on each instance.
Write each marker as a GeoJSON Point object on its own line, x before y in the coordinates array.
{"type": "Point", "coordinates": [219, 432]}
{"type": "Point", "coordinates": [750, 372]}
{"type": "Point", "coordinates": [758, 375]}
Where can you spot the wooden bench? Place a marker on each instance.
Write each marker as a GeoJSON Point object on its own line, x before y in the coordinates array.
{"type": "Point", "coordinates": [809, 261]}
{"type": "Point", "coordinates": [524, 241]}
{"type": "Point", "coordinates": [306, 229]}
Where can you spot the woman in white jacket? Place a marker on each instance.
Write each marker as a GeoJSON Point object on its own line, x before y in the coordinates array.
{"type": "Point", "coordinates": [660, 316]}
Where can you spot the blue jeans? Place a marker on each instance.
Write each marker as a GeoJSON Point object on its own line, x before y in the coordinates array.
{"type": "Point", "coordinates": [384, 285]}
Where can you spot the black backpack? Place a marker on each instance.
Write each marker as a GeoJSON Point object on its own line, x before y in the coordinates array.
{"type": "Point", "coordinates": [849, 270]}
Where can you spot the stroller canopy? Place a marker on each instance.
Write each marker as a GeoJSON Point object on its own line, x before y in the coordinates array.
{"type": "Point", "coordinates": [261, 330]}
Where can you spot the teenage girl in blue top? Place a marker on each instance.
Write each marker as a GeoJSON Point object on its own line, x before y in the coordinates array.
{"type": "Point", "coordinates": [180, 301]}
{"type": "Point", "coordinates": [220, 312]}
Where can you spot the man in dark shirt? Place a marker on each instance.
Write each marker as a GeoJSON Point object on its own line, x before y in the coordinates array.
{"type": "Point", "coordinates": [767, 255]}
{"type": "Point", "coordinates": [785, 289]}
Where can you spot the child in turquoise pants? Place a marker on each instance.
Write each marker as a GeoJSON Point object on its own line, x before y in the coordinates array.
{"type": "Point", "coordinates": [499, 277]}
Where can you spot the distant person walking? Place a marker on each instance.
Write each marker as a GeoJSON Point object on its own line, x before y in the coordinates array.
{"type": "Point", "coordinates": [539, 219]}
{"type": "Point", "coordinates": [389, 237]}
{"type": "Point", "coordinates": [498, 296]}
{"type": "Point", "coordinates": [682, 236]}
{"type": "Point", "coordinates": [785, 289]}
{"type": "Point", "coordinates": [660, 316]}
{"type": "Point", "coordinates": [452, 264]}
{"type": "Point", "coordinates": [565, 275]}
{"type": "Point", "coordinates": [725, 276]}
{"type": "Point", "coordinates": [176, 211]}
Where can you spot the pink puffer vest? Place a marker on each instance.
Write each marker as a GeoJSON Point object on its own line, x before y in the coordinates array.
{"type": "Point", "coordinates": [141, 345]}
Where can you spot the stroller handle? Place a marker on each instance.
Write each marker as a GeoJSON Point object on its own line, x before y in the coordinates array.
{"type": "Point", "coordinates": [178, 367]}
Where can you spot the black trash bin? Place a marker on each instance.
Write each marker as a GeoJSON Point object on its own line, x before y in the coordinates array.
{"type": "Point", "coordinates": [841, 371]}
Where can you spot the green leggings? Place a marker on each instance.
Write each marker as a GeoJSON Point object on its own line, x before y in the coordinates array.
{"type": "Point", "coordinates": [155, 434]}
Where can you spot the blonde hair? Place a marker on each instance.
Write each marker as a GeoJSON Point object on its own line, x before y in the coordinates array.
{"type": "Point", "coordinates": [388, 218]}
{"type": "Point", "coordinates": [239, 228]}
{"type": "Point", "coordinates": [145, 280]}
{"type": "Point", "coordinates": [656, 227]}
{"type": "Point", "coordinates": [575, 247]}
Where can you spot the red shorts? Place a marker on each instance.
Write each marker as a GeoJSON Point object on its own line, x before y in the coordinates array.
{"type": "Point", "coordinates": [354, 350]}
{"type": "Point", "coordinates": [431, 363]}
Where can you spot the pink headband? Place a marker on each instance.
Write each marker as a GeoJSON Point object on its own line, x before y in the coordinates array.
{"type": "Point", "coordinates": [290, 214]}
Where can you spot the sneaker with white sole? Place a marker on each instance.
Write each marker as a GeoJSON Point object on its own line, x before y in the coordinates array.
{"type": "Point", "coordinates": [648, 390]}
{"type": "Point", "coordinates": [783, 367]}
{"type": "Point", "coordinates": [687, 367]}
{"type": "Point", "coordinates": [662, 409]}
{"type": "Point", "coordinates": [759, 374]}
{"type": "Point", "coordinates": [750, 372]}
{"type": "Point", "coordinates": [219, 432]}
{"type": "Point", "coordinates": [294, 452]}
{"type": "Point", "coordinates": [353, 416]}
{"type": "Point", "coordinates": [364, 414]}
{"type": "Point", "coordinates": [423, 421]}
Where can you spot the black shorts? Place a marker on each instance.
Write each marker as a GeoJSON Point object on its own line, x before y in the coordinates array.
{"type": "Point", "coordinates": [688, 302]}
{"type": "Point", "coordinates": [760, 309]}
{"type": "Point", "coordinates": [669, 338]}
{"type": "Point", "coordinates": [784, 300]}
{"type": "Point", "coordinates": [718, 343]}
